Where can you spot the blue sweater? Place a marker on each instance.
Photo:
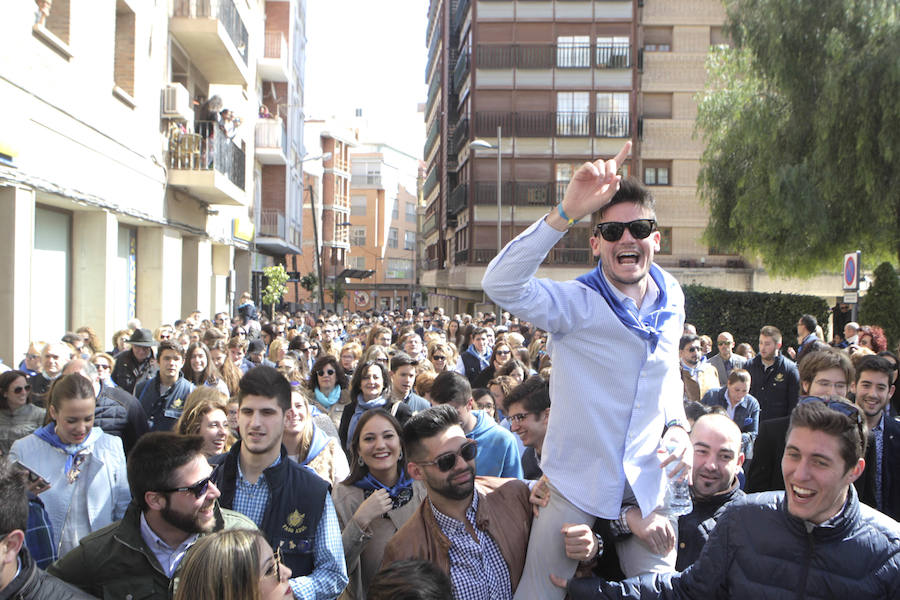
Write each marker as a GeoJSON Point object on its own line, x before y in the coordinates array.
{"type": "Point", "coordinates": [498, 453]}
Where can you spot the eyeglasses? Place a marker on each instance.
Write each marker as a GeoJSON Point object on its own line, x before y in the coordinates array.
{"type": "Point", "coordinates": [198, 489]}
{"type": "Point", "coordinates": [724, 343]}
{"type": "Point", "coordinates": [441, 358]}
{"type": "Point", "coordinates": [518, 418]}
{"type": "Point", "coordinates": [275, 568]}
{"type": "Point", "coordinates": [612, 231]}
{"type": "Point", "coordinates": [324, 373]}
{"type": "Point", "coordinates": [445, 462]}
{"type": "Point", "coordinates": [101, 366]}
{"type": "Point", "coordinates": [502, 352]}
{"type": "Point", "coordinates": [20, 388]}
{"type": "Point", "coordinates": [838, 387]}
{"type": "Point", "coordinates": [307, 349]}
{"type": "Point", "coordinates": [694, 349]}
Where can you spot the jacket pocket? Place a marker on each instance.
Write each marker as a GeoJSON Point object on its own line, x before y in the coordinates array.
{"type": "Point", "coordinates": [133, 588]}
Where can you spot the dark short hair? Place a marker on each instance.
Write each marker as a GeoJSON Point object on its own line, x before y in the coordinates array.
{"type": "Point", "coordinates": [479, 331]}
{"type": "Point", "coordinates": [154, 459]}
{"type": "Point", "coordinates": [451, 387]}
{"type": "Point", "coordinates": [824, 360]}
{"type": "Point", "coordinates": [693, 410]}
{"type": "Point", "coordinates": [266, 382]}
{"type": "Point", "coordinates": [170, 345]}
{"type": "Point", "coordinates": [340, 376]}
{"type": "Point", "coordinates": [427, 424]}
{"type": "Point", "coordinates": [6, 380]}
{"type": "Point", "coordinates": [687, 340]}
{"type": "Point", "coordinates": [816, 416]}
{"type": "Point", "coordinates": [13, 499]}
{"type": "Point", "coordinates": [533, 394]}
{"type": "Point", "coordinates": [632, 190]}
{"type": "Point", "coordinates": [356, 381]}
{"type": "Point", "coordinates": [877, 364]}
{"type": "Point", "coordinates": [410, 580]}
{"type": "Point", "coordinates": [357, 470]}
{"type": "Point", "coordinates": [772, 332]}
{"type": "Point", "coordinates": [809, 323]}
{"type": "Point", "coordinates": [402, 359]}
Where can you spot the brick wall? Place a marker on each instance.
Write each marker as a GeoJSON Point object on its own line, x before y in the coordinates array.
{"type": "Point", "coordinates": [124, 59]}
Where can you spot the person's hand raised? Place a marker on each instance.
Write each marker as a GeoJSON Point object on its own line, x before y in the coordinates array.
{"type": "Point", "coordinates": [593, 185]}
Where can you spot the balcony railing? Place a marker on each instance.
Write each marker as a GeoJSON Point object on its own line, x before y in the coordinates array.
{"type": "Point", "coordinates": [548, 56]}
{"type": "Point", "coordinates": [272, 224]}
{"type": "Point", "coordinates": [460, 136]}
{"type": "Point", "coordinates": [613, 56]}
{"type": "Point", "coordinates": [573, 56]}
{"type": "Point", "coordinates": [519, 193]}
{"type": "Point", "coordinates": [460, 71]}
{"type": "Point", "coordinates": [371, 179]}
{"type": "Point", "coordinates": [207, 149]}
{"type": "Point", "coordinates": [224, 11]}
{"type": "Point", "coordinates": [433, 89]}
{"type": "Point", "coordinates": [429, 225]}
{"type": "Point", "coordinates": [461, 257]}
{"type": "Point", "coordinates": [272, 133]}
{"type": "Point", "coordinates": [462, 9]}
{"type": "Point", "coordinates": [432, 138]}
{"type": "Point", "coordinates": [430, 182]}
{"type": "Point", "coordinates": [275, 45]}
{"type": "Point", "coordinates": [553, 124]}
{"type": "Point", "coordinates": [458, 200]}
{"type": "Point", "coordinates": [432, 49]}
{"type": "Point", "coordinates": [556, 256]}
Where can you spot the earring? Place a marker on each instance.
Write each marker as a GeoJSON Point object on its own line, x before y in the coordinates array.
{"type": "Point", "coordinates": [359, 461]}
{"type": "Point", "coordinates": [401, 456]}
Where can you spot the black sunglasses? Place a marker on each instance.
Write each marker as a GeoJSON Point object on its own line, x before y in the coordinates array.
{"type": "Point", "coordinates": [198, 489]}
{"type": "Point", "coordinates": [19, 389]}
{"type": "Point", "coordinates": [613, 230]}
{"type": "Point", "coordinates": [445, 462]}
{"type": "Point", "coordinates": [323, 372]}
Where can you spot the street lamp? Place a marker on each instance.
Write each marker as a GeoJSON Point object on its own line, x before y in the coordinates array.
{"type": "Point", "coordinates": [312, 206]}
{"type": "Point", "coordinates": [498, 148]}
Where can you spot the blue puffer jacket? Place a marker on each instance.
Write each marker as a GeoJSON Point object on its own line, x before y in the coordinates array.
{"type": "Point", "coordinates": [758, 550]}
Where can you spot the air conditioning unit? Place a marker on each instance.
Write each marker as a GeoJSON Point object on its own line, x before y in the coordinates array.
{"type": "Point", "coordinates": [176, 103]}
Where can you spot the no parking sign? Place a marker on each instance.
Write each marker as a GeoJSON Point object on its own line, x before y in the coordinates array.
{"type": "Point", "coordinates": [851, 271]}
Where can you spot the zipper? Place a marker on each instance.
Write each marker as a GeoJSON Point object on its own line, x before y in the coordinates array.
{"type": "Point", "coordinates": [810, 548]}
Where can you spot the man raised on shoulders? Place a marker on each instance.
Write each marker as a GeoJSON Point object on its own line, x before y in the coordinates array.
{"type": "Point", "coordinates": [616, 385]}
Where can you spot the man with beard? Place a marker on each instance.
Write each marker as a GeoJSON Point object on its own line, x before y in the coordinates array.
{"type": "Point", "coordinates": [173, 504]}
{"type": "Point", "coordinates": [880, 483]}
{"type": "Point", "coordinates": [774, 378]}
{"type": "Point", "coordinates": [475, 529]}
{"type": "Point", "coordinates": [288, 502]}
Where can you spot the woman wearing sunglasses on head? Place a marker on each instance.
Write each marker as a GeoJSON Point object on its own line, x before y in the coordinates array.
{"type": "Point", "coordinates": [327, 388]}
{"type": "Point", "coordinates": [18, 417]}
{"type": "Point", "coordinates": [233, 564]}
{"type": "Point", "coordinates": [376, 499]}
{"type": "Point", "coordinates": [84, 466]}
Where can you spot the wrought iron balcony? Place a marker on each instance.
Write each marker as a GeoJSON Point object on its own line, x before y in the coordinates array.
{"type": "Point", "coordinates": [458, 200]}
{"type": "Point", "coordinates": [200, 160]}
{"type": "Point", "coordinates": [195, 24]}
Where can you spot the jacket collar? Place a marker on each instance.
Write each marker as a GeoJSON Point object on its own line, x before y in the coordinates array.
{"type": "Point", "coordinates": [274, 475]}
{"type": "Point", "coordinates": [837, 528]}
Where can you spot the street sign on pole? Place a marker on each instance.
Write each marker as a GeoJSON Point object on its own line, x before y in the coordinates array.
{"type": "Point", "coordinates": [851, 271]}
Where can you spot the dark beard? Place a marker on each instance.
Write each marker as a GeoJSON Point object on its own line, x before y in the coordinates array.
{"type": "Point", "coordinates": [186, 523]}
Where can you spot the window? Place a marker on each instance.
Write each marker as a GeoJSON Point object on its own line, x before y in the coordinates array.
{"type": "Point", "coordinates": [358, 206]}
{"type": "Point", "coordinates": [56, 20]}
{"type": "Point", "coordinates": [398, 268]}
{"type": "Point", "coordinates": [658, 39]}
{"type": "Point", "coordinates": [573, 51]}
{"type": "Point", "coordinates": [718, 38]}
{"type": "Point", "coordinates": [614, 52]}
{"type": "Point", "coordinates": [123, 63]}
{"type": "Point", "coordinates": [395, 211]}
{"type": "Point", "coordinates": [612, 114]}
{"type": "Point", "coordinates": [357, 236]}
{"type": "Point", "coordinates": [356, 262]}
{"type": "Point", "coordinates": [572, 113]}
{"type": "Point", "coordinates": [665, 240]}
{"type": "Point", "coordinates": [409, 240]}
{"type": "Point", "coordinates": [393, 237]}
{"type": "Point", "coordinates": [656, 174]}
{"type": "Point", "coordinates": [657, 106]}
{"type": "Point", "coordinates": [410, 212]}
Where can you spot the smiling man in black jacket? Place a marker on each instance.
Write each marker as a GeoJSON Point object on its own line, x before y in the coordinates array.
{"type": "Point", "coordinates": [815, 540]}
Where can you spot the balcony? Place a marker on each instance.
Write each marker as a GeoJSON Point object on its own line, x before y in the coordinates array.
{"type": "Point", "coordinates": [549, 56]}
{"type": "Point", "coordinates": [431, 140]}
{"type": "Point", "coordinates": [613, 56]}
{"type": "Point", "coordinates": [458, 200]}
{"type": "Point", "coordinates": [368, 180]}
{"type": "Point", "coordinates": [274, 65]}
{"type": "Point", "coordinates": [460, 136]}
{"type": "Point", "coordinates": [215, 38]}
{"type": "Point", "coordinates": [611, 124]}
{"type": "Point", "coordinates": [460, 71]}
{"type": "Point", "coordinates": [556, 256]}
{"type": "Point", "coordinates": [271, 142]}
{"type": "Point", "coordinates": [207, 164]}
{"type": "Point", "coordinates": [461, 257]}
{"type": "Point", "coordinates": [429, 226]}
{"type": "Point", "coordinates": [459, 17]}
{"type": "Point", "coordinates": [276, 235]}
{"type": "Point", "coordinates": [519, 193]}
{"type": "Point", "coordinates": [433, 89]}
{"type": "Point", "coordinates": [432, 50]}
{"type": "Point", "coordinates": [430, 182]}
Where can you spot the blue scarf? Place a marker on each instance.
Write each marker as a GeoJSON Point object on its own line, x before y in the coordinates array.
{"type": "Point", "coordinates": [647, 327]}
{"type": "Point", "coordinates": [400, 493]}
{"type": "Point", "coordinates": [75, 453]}
{"type": "Point", "coordinates": [318, 443]}
{"type": "Point", "coordinates": [483, 359]}
{"type": "Point", "coordinates": [329, 400]}
{"type": "Point", "coordinates": [362, 407]}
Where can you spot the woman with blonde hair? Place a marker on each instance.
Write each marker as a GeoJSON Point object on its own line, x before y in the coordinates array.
{"type": "Point", "coordinates": [206, 414]}
{"type": "Point", "coordinates": [120, 341]}
{"type": "Point", "coordinates": [309, 444]}
{"type": "Point", "coordinates": [91, 339]}
{"type": "Point", "coordinates": [233, 564]}
{"type": "Point", "coordinates": [443, 356]}
{"type": "Point", "coordinates": [104, 363]}
{"type": "Point", "coordinates": [351, 352]}
{"type": "Point", "coordinates": [277, 349]}
{"type": "Point", "coordinates": [377, 354]}
{"type": "Point", "coordinates": [218, 354]}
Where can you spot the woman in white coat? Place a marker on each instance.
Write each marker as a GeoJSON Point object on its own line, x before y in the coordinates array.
{"type": "Point", "coordinates": [84, 466]}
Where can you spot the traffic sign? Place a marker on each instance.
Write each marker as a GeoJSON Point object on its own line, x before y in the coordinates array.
{"type": "Point", "coordinates": [851, 271]}
{"type": "Point", "coordinates": [851, 297]}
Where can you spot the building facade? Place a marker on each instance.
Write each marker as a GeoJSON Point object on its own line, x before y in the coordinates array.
{"type": "Point", "coordinates": [555, 83]}
{"type": "Point", "coordinates": [125, 191]}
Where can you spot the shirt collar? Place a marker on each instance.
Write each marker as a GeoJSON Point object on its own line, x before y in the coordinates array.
{"type": "Point", "coordinates": [154, 540]}
{"type": "Point", "coordinates": [241, 473]}
{"type": "Point", "coordinates": [650, 296]}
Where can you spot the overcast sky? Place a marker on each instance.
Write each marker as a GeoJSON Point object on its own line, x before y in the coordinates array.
{"type": "Point", "coordinates": [369, 54]}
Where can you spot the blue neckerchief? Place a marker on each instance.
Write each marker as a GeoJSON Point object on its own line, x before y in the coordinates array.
{"type": "Point", "coordinates": [647, 327]}
{"type": "Point", "coordinates": [48, 434]}
{"type": "Point", "coordinates": [361, 407]}
{"type": "Point", "coordinates": [400, 493]}
{"type": "Point", "coordinates": [483, 359]}
{"type": "Point", "coordinates": [692, 371]}
{"type": "Point", "coordinates": [318, 443]}
{"type": "Point", "coordinates": [329, 400]}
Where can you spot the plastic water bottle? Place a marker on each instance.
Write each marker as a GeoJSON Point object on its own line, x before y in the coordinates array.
{"type": "Point", "coordinates": [678, 493]}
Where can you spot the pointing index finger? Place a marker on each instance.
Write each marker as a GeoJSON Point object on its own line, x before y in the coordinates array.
{"type": "Point", "coordinates": [623, 154]}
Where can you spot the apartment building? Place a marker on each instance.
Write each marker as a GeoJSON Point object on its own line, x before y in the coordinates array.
{"type": "Point", "coordinates": [383, 228]}
{"type": "Point", "coordinates": [124, 191]}
{"type": "Point", "coordinates": [554, 83]}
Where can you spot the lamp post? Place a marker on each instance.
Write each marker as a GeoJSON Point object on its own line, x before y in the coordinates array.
{"type": "Point", "coordinates": [312, 207]}
{"type": "Point", "coordinates": [483, 144]}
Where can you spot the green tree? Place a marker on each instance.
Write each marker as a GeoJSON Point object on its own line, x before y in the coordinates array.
{"type": "Point", "coordinates": [881, 304]}
{"type": "Point", "coordinates": [802, 130]}
{"type": "Point", "coordinates": [309, 282]}
{"type": "Point", "coordinates": [276, 278]}
{"type": "Point", "coordinates": [338, 292]}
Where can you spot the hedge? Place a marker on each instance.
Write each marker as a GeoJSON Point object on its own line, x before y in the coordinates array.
{"type": "Point", "coordinates": [743, 314]}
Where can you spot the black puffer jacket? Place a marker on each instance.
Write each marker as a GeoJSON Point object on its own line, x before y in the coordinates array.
{"type": "Point", "coordinates": [34, 584]}
{"type": "Point", "coordinates": [120, 414]}
{"type": "Point", "coordinates": [758, 550]}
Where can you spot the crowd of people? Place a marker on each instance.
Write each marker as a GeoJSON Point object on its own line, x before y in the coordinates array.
{"type": "Point", "coordinates": [528, 454]}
